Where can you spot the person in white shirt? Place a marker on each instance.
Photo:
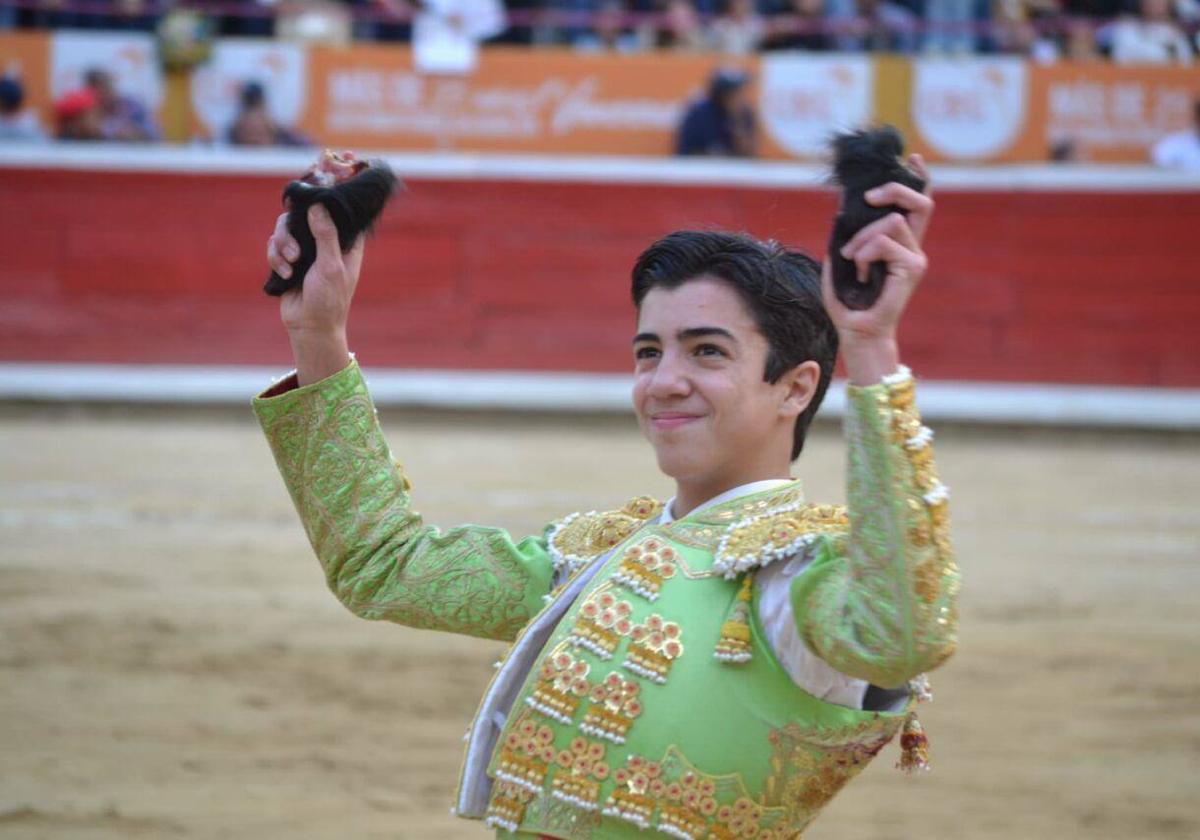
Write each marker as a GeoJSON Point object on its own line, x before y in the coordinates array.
{"type": "Point", "coordinates": [1180, 150]}
{"type": "Point", "coordinates": [1151, 38]}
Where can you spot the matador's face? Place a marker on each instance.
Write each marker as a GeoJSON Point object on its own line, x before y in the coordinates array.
{"type": "Point", "coordinates": [699, 391]}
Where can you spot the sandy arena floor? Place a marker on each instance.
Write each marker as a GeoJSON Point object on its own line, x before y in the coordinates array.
{"type": "Point", "coordinates": [171, 664]}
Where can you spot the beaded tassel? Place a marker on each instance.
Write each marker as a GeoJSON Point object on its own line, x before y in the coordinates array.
{"type": "Point", "coordinates": [734, 644]}
{"type": "Point", "coordinates": [914, 746]}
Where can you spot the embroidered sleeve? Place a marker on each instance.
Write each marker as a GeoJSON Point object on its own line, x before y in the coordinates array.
{"type": "Point", "coordinates": [878, 602]}
{"type": "Point", "coordinates": [379, 557]}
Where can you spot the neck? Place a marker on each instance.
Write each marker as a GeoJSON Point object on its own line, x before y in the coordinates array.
{"type": "Point", "coordinates": [691, 495]}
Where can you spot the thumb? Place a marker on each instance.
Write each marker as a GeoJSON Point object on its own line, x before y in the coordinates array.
{"type": "Point", "coordinates": [325, 233]}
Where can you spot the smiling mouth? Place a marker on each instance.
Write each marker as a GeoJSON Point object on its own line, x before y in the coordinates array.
{"type": "Point", "coordinates": [671, 420]}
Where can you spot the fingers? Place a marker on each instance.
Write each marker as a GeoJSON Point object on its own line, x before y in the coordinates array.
{"type": "Point", "coordinates": [917, 164]}
{"type": "Point", "coordinates": [918, 205]}
{"type": "Point", "coordinates": [329, 253]}
{"type": "Point", "coordinates": [282, 249]}
{"type": "Point", "coordinates": [901, 261]}
{"type": "Point", "coordinates": [893, 226]}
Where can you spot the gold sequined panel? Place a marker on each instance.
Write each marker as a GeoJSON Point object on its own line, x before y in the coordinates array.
{"type": "Point", "coordinates": [582, 537]}
{"type": "Point", "coordinates": [672, 796]}
{"type": "Point", "coordinates": [809, 766]}
{"type": "Point", "coordinates": [777, 533]}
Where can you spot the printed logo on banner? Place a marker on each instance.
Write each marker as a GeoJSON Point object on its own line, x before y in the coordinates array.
{"type": "Point", "coordinates": [280, 68]}
{"type": "Point", "coordinates": [385, 103]}
{"type": "Point", "coordinates": [806, 98]}
{"type": "Point", "coordinates": [969, 108]}
{"type": "Point", "coordinates": [1117, 112]}
{"type": "Point", "coordinates": [131, 58]}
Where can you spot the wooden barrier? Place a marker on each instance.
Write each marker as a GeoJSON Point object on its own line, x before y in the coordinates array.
{"type": "Point", "coordinates": [493, 273]}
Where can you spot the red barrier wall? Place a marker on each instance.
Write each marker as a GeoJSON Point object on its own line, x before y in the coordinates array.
{"type": "Point", "coordinates": [158, 268]}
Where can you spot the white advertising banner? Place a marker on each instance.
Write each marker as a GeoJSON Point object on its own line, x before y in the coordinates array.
{"type": "Point", "coordinates": [131, 58]}
{"type": "Point", "coordinates": [281, 69]}
{"type": "Point", "coordinates": [806, 98]}
{"type": "Point", "coordinates": [969, 108]}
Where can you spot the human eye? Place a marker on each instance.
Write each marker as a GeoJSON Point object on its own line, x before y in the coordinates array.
{"type": "Point", "coordinates": [645, 352]}
{"type": "Point", "coordinates": [712, 351]}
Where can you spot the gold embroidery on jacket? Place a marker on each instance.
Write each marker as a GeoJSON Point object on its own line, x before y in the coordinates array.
{"type": "Point", "coordinates": [582, 537]}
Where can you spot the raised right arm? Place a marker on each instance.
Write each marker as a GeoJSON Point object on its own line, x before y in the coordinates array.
{"type": "Point", "coordinates": [379, 557]}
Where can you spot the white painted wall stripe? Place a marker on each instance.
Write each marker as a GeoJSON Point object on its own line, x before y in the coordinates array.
{"type": "Point", "coordinates": [615, 170]}
{"type": "Point", "coordinates": [973, 402]}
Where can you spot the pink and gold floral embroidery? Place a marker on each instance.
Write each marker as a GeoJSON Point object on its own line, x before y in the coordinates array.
{"type": "Point", "coordinates": [507, 807]}
{"type": "Point", "coordinates": [601, 623]}
{"type": "Point", "coordinates": [639, 784]}
{"type": "Point", "coordinates": [687, 804]}
{"type": "Point", "coordinates": [655, 645]}
{"type": "Point", "coordinates": [562, 683]}
{"type": "Point", "coordinates": [582, 770]}
{"type": "Point", "coordinates": [526, 755]}
{"type": "Point", "coordinates": [616, 702]}
{"type": "Point", "coordinates": [645, 566]}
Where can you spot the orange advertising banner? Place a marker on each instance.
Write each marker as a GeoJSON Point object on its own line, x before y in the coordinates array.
{"type": "Point", "coordinates": [1007, 110]}
{"type": "Point", "coordinates": [517, 100]}
{"type": "Point", "coordinates": [1109, 113]}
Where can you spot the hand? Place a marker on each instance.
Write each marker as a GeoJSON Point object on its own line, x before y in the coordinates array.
{"type": "Point", "coordinates": [868, 336]}
{"type": "Point", "coordinates": [316, 313]}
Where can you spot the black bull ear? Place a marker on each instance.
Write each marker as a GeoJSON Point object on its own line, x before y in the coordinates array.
{"type": "Point", "coordinates": [354, 205]}
{"type": "Point", "coordinates": [863, 160]}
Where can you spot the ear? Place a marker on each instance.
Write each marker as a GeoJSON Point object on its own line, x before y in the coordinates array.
{"type": "Point", "coordinates": [800, 386]}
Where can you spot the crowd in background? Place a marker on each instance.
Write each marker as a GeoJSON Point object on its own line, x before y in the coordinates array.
{"type": "Point", "coordinates": [720, 123]}
{"type": "Point", "coordinates": [1124, 30]}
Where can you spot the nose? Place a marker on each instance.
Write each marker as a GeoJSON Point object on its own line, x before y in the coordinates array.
{"type": "Point", "coordinates": [669, 378]}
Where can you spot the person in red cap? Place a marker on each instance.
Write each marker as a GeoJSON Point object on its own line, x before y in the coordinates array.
{"type": "Point", "coordinates": [78, 116]}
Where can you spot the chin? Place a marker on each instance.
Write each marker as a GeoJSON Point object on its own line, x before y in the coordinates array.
{"type": "Point", "coordinates": [676, 464]}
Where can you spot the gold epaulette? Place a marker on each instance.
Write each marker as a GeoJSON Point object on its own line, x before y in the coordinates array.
{"type": "Point", "coordinates": [759, 540]}
{"type": "Point", "coordinates": [582, 537]}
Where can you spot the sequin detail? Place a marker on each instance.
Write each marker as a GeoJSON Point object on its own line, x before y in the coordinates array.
{"type": "Point", "coordinates": [581, 770]}
{"type": "Point", "coordinates": [562, 683]}
{"type": "Point", "coordinates": [645, 566]}
{"type": "Point", "coordinates": [634, 798]}
{"type": "Point", "coordinates": [616, 703]}
{"type": "Point", "coordinates": [654, 645]}
{"type": "Point", "coordinates": [763, 538]}
{"type": "Point", "coordinates": [601, 624]}
{"type": "Point", "coordinates": [526, 755]}
{"type": "Point", "coordinates": [733, 646]}
{"type": "Point", "coordinates": [581, 537]}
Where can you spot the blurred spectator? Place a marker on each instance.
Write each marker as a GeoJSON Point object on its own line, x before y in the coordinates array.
{"type": "Point", "coordinates": [1182, 149]}
{"type": "Point", "coordinates": [1080, 41]}
{"type": "Point", "coordinates": [77, 115]}
{"type": "Point", "coordinates": [1152, 37]}
{"type": "Point", "coordinates": [873, 25]}
{"type": "Point", "coordinates": [681, 27]}
{"type": "Point", "coordinates": [609, 32]}
{"type": "Point", "coordinates": [122, 118]}
{"type": "Point", "coordinates": [801, 27]}
{"type": "Point", "coordinates": [722, 122]}
{"type": "Point", "coordinates": [447, 33]}
{"type": "Point", "coordinates": [1016, 28]}
{"type": "Point", "coordinates": [254, 125]}
{"type": "Point", "coordinates": [740, 28]}
{"type": "Point", "coordinates": [16, 124]}
{"type": "Point", "coordinates": [950, 26]}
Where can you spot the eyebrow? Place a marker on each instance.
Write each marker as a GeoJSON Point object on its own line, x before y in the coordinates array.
{"type": "Point", "coordinates": [689, 333]}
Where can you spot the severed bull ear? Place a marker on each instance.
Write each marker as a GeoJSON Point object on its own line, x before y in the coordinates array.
{"type": "Point", "coordinates": [863, 160]}
{"type": "Point", "coordinates": [354, 205]}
